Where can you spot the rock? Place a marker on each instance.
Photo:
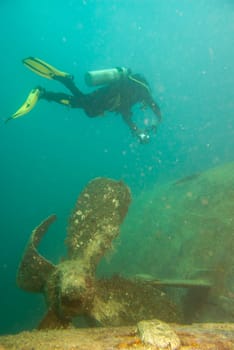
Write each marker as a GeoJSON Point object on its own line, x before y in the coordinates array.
{"type": "Point", "coordinates": [158, 333]}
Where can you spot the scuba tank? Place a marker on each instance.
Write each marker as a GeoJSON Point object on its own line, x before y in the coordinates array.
{"type": "Point", "coordinates": [105, 76]}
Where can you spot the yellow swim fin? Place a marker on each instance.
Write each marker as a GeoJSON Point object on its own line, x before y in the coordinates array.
{"type": "Point", "coordinates": [28, 105]}
{"type": "Point", "coordinates": [44, 69]}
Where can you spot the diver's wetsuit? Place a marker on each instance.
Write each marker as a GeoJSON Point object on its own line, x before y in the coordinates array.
{"type": "Point", "coordinates": [118, 97]}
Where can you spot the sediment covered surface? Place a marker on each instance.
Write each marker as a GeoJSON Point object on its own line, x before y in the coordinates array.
{"type": "Point", "coordinates": [208, 336]}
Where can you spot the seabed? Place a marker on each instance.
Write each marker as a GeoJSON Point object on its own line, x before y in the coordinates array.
{"type": "Point", "coordinates": [207, 336]}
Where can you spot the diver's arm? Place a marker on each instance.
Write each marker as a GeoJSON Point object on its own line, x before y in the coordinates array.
{"type": "Point", "coordinates": [142, 136]}
{"type": "Point", "coordinates": [155, 108]}
{"type": "Point", "coordinates": [127, 117]}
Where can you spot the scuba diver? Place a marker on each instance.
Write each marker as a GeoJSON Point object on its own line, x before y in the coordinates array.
{"type": "Point", "coordinates": [120, 91]}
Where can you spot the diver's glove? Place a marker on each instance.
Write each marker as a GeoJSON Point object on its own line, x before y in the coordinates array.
{"type": "Point", "coordinates": [142, 136]}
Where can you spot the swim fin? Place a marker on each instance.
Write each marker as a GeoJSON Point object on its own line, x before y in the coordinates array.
{"type": "Point", "coordinates": [28, 105]}
{"type": "Point", "coordinates": [44, 69]}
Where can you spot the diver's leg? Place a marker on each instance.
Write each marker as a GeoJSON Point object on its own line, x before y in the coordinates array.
{"type": "Point", "coordinates": [69, 83]}
{"type": "Point", "coordinates": [48, 71]}
{"type": "Point", "coordinates": [40, 93]}
{"type": "Point", "coordinates": [61, 98]}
